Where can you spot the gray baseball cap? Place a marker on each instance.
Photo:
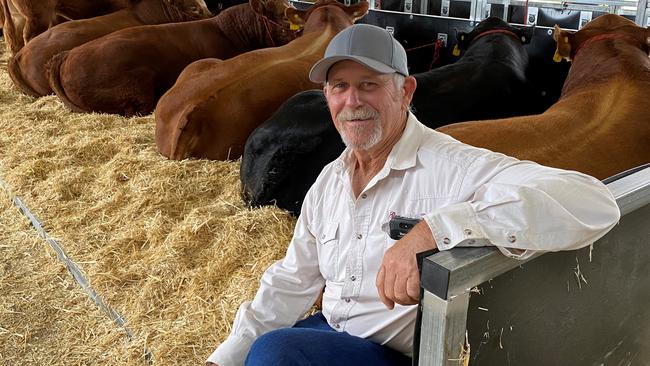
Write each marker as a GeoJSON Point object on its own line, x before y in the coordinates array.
{"type": "Point", "coordinates": [366, 44]}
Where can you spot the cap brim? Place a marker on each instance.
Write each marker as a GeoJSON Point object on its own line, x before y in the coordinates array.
{"type": "Point", "coordinates": [318, 73]}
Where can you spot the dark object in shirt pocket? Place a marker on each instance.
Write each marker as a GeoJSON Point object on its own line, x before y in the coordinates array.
{"type": "Point", "coordinates": [398, 226]}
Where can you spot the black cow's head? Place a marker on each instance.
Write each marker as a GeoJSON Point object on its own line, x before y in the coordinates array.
{"type": "Point", "coordinates": [284, 155]}
{"type": "Point", "coordinates": [493, 24]}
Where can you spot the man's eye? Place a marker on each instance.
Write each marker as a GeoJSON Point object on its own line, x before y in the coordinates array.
{"type": "Point", "coordinates": [368, 85]}
{"type": "Point", "coordinates": [338, 86]}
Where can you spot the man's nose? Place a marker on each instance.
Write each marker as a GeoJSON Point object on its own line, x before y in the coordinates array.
{"type": "Point", "coordinates": [353, 99]}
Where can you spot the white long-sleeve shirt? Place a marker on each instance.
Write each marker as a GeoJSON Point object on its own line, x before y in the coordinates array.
{"type": "Point", "coordinates": [467, 196]}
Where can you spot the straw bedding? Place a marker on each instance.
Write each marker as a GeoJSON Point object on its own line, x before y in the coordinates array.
{"type": "Point", "coordinates": [169, 245]}
{"type": "Point", "coordinates": [44, 316]}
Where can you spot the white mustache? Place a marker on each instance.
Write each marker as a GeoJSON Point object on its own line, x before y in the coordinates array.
{"type": "Point", "coordinates": [366, 112]}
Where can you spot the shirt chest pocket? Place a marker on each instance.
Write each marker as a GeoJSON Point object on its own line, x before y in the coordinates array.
{"type": "Point", "coordinates": [416, 208]}
{"type": "Point", "coordinates": [327, 238]}
{"type": "Point", "coordinates": [412, 209]}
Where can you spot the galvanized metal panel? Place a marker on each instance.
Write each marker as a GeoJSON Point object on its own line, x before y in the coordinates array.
{"type": "Point", "coordinates": [443, 327]}
{"type": "Point", "coordinates": [570, 308]}
{"type": "Point", "coordinates": [556, 308]}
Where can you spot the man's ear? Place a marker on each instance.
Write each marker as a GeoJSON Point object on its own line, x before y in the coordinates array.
{"type": "Point", "coordinates": [564, 40]}
{"type": "Point", "coordinates": [409, 89]}
{"type": "Point", "coordinates": [295, 17]}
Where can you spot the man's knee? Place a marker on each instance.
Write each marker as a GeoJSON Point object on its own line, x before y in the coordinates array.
{"type": "Point", "coordinates": [277, 347]}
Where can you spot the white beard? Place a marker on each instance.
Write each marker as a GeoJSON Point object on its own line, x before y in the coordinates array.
{"type": "Point", "coordinates": [362, 113]}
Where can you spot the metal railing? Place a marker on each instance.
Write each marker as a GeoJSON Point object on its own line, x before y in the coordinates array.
{"type": "Point", "coordinates": [449, 277]}
{"type": "Point", "coordinates": [481, 9]}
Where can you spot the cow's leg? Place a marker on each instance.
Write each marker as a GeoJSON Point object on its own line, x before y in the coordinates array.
{"type": "Point", "coordinates": [38, 18]}
{"type": "Point", "coordinates": [34, 27]}
{"type": "Point", "coordinates": [12, 27]}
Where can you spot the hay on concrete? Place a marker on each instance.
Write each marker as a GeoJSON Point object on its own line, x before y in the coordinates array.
{"type": "Point", "coordinates": [169, 245]}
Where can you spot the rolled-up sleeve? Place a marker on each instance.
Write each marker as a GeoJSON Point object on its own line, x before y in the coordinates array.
{"type": "Point", "coordinates": [288, 289]}
{"type": "Point", "coordinates": [523, 207]}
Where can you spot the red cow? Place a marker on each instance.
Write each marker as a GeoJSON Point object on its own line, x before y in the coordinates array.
{"type": "Point", "coordinates": [126, 72]}
{"type": "Point", "coordinates": [215, 105]}
{"type": "Point", "coordinates": [601, 123]}
{"type": "Point", "coordinates": [13, 23]}
{"type": "Point", "coordinates": [27, 68]}
{"type": "Point", "coordinates": [39, 15]}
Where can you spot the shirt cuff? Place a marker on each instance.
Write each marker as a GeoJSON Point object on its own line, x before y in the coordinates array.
{"type": "Point", "coordinates": [232, 352]}
{"type": "Point", "coordinates": [456, 224]}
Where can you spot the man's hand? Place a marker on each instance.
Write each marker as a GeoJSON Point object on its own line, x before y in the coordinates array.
{"type": "Point", "coordinates": [398, 280]}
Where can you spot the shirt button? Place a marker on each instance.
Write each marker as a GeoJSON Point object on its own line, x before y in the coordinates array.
{"type": "Point", "coordinates": [363, 196]}
{"type": "Point", "coordinates": [359, 236]}
{"type": "Point", "coordinates": [337, 325]}
{"type": "Point", "coordinates": [347, 300]}
{"type": "Point", "coordinates": [468, 232]}
{"type": "Point", "coordinates": [446, 240]}
{"type": "Point", "coordinates": [512, 238]}
{"type": "Point", "coordinates": [353, 278]}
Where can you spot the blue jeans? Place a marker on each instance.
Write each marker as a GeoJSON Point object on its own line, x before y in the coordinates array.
{"type": "Point", "coordinates": [312, 342]}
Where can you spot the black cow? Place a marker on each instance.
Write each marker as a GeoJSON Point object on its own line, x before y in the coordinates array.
{"type": "Point", "coordinates": [488, 82]}
{"type": "Point", "coordinates": [283, 157]}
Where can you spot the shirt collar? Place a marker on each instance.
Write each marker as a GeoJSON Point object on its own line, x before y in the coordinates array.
{"type": "Point", "coordinates": [404, 153]}
{"type": "Point", "coordinates": [402, 156]}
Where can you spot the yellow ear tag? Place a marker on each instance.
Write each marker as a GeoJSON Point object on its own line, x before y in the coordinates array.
{"type": "Point", "coordinates": [294, 26]}
{"type": "Point", "coordinates": [456, 51]}
{"type": "Point", "coordinates": [557, 57]}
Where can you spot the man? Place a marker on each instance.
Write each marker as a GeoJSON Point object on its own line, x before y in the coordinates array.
{"type": "Point", "coordinates": [394, 165]}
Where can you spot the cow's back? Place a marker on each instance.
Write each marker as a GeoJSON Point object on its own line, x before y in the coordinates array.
{"type": "Point", "coordinates": [600, 132]}
{"type": "Point", "coordinates": [600, 125]}
{"type": "Point", "coordinates": [489, 81]}
{"type": "Point", "coordinates": [227, 100]}
{"type": "Point", "coordinates": [28, 67]}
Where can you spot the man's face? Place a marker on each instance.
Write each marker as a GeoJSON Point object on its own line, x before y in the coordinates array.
{"type": "Point", "coordinates": [367, 107]}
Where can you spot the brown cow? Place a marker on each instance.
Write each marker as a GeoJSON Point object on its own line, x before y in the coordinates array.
{"type": "Point", "coordinates": [28, 67]}
{"type": "Point", "coordinates": [12, 24]}
{"type": "Point", "coordinates": [215, 105]}
{"type": "Point", "coordinates": [39, 15]}
{"type": "Point", "coordinates": [127, 71]}
{"type": "Point", "coordinates": [601, 123]}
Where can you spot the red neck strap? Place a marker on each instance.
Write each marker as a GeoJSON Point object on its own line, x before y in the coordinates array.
{"type": "Point", "coordinates": [504, 31]}
{"type": "Point", "coordinates": [602, 37]}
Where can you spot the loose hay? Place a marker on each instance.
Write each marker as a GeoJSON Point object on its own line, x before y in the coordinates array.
{"type": "Point", "coordinates": [45, 318]}
{"type": "Point", "coordinates": [169, 245]}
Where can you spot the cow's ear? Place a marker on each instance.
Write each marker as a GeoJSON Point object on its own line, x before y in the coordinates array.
{"type": "Point", "coordinates": [358, 10]}
{"type": "Point", "coordinates": [564, 40]}
{"type": "Point", "coordinates": [463, 40]}
{"type": "Point", "coordinates": [295, 17]}
{"type": "Point", "coordinates": [525, 34]}
{"type": "Point", "coordinates": [271, 9]}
